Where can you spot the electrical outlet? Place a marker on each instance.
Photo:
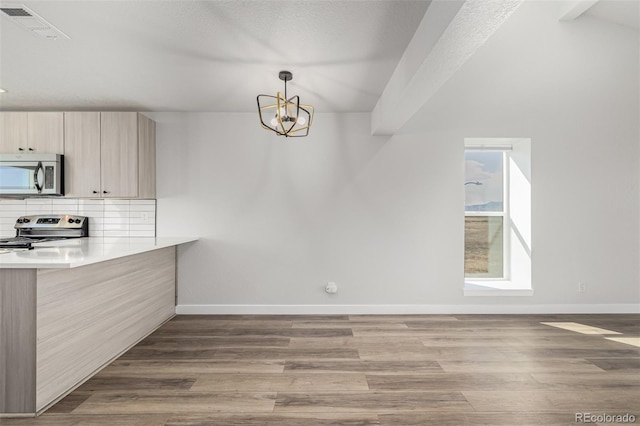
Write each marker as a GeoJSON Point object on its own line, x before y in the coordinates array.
{"type": "Point", "coordinates": [145, 217]}
{"type": "Point", "coordinates": [331, 287]}
{"type": "Point", "coordinates": [581, 287]}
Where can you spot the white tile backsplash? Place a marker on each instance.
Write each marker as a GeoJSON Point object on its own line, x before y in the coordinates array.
{"type": "Point", "coordinates": [10, 210]}
{"type": "Point", "coordinates": [94, 202]}
{"type": "Point", "coordinates": [149, 220]}
{"type": "Point", "coordinates": [142, 207]}
{"type": "Point", "coordinates": [64, 208]}
{"type": "Point", "coordinates": [116, 215]}
{"type": "Point", "coordinates": [31, 210]}
{"type": "Point", "coordinates": [116, 233]}
{"type": "Point", "coordinates": [38, 201]}
{"type": "Point", "coordinates": [136, 234]}
{"type": "Point", "coordinates": [65, 201]}
{"type": "Point", "coordinates": [107, 218]}
{"type": "Point", "coordinates": [38, 206]}
{"type": "Point", "coordinates": [112, 202]}
{"type": "Point", "coordinates": [88, 210]}
{"type": "Point", "coordinates": [120, 220]}
{"type": "Point", "coordinates": [133, 227]}
{"type": "Point", "coordinates": [116, 209]}
{"type": "Point", "coordinates": [9, 205]}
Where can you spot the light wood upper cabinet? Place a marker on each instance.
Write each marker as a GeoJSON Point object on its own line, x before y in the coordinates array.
{"type": "Point", "coordinates": [119, 154]}
{"type": "Point", "coordinates": [32, 132]}
{"type": "Point", "coordinates": [13, 131]}
{"type": "Point", "coordinates": [82, 154]}
{"type": "Point", "coordinates": [109, 154]}
{"type": "Point", "coordinates": [45, 132]}
{"type": "Point", "coordinates": [146, 157]}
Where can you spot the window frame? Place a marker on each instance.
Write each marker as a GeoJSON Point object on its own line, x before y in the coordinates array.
{"type": "Point", "coordinates": [506, 220]}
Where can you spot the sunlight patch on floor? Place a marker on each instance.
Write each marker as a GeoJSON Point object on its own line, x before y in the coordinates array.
{"type": "Point", "coordinates": [633, 341]}
{"type": "Point", "coordinates": [580, 328]}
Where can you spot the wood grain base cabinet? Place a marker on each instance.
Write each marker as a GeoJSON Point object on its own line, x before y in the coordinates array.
{"type": "Point", "coordinates": [58, 327]}
{"type": "Point", "coordinates": [17, 340]}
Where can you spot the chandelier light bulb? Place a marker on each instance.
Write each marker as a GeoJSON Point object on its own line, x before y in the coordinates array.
{"type": "Point", "coordinates": [301, 120]}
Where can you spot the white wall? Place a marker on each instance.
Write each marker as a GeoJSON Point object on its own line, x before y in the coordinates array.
{"type": "Point", "coordinates": [572, 88]}
{"type": "Point", "coordinates": [383, 217]}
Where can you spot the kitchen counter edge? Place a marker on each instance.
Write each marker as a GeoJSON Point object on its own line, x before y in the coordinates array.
{"type": "Point", "coordinates": [73, 253]}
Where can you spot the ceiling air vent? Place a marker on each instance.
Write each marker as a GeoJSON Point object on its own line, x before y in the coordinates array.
{"type": "Point", "coordinates": [26, 18]}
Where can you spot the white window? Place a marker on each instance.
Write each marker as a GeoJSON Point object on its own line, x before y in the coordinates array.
{"type": "Point", "coordinates": [497, 228]}
{"type": "Point", "coordinates": [486, 213]}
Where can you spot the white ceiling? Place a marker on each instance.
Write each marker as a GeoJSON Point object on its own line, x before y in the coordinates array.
{"type": "Point", "coordinates": [622, 12]}
{"type": "Point", "coordinates": [205, 55]}
{"type": "Point", "coordinates": [217, 55]}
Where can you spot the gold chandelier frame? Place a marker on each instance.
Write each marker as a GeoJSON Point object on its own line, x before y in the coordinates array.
{"type": "Point", "coordinates": [290, 118]}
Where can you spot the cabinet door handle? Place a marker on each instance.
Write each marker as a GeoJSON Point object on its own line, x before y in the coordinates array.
{"type": "Point", "coordinates": [30, 149]}
{"type": "Point", "coordinates": [95, 192]}
{"type": "Point", "coordinates": [105, 192]}
{"type": "Point", "coordinates": [20, 149]}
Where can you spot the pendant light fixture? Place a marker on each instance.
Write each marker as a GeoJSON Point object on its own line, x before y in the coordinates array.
{"type": "Point", "coordinates": [285, 116]}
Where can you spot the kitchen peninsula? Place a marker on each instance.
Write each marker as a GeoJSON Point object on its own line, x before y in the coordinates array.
{"type": "Point", "coordinates": [68, 308]}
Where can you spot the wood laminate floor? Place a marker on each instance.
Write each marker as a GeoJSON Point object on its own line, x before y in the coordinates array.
{"type": "Point", "coordinates": [365, 370]}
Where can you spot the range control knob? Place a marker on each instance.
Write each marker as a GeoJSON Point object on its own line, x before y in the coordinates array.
{"type": "Point", "coordinates": [27, 220]}
{"type": "Point", "coordinates": [19, 220]}
{"type": "Point", "coordinates": [70, 220]}
{"type": "Point", "coordinates": [78, 220]}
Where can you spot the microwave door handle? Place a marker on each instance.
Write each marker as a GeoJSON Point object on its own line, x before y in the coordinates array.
{"type": "Point", "coordinates": [36, 181]}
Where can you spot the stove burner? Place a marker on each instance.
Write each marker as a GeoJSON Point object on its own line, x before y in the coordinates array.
{"type": "Point", "coordinates": [23, 242]}
{"type": "Point", "coordinates": [18, 242]}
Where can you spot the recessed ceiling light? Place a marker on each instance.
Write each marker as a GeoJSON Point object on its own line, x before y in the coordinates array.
{"type": "Point", "coordinates": [2, 90]}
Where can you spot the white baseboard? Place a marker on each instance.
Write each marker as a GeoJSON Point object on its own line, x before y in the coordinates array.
{"type": "Point", "coordinates": [622, 308]}
{"type": "Point", "coordinates": [495, 292]}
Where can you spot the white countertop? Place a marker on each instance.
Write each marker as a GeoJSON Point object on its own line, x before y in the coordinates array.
{"type": "Point", "coordinates": [83, 251]}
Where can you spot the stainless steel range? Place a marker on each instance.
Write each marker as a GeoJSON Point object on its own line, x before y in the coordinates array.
{"type": "Point", "coordinates": [40, 228]}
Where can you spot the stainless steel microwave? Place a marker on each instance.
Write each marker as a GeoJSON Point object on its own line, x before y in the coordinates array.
{"type": "Point", "coordinates": [29, 175]}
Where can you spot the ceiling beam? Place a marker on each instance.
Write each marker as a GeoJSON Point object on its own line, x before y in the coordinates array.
{"type": "Point", "coordinates": [449, 34]}
{"type": "Point", "coordinates": [576, 8]}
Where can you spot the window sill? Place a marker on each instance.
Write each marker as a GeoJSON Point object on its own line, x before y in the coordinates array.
{"type": "Point", "coordinates": [494, 288]}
